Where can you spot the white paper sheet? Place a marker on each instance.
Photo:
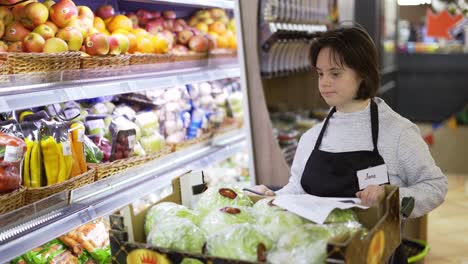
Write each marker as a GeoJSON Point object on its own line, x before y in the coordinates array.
{"type": "Point", "coordinates": [314, 208]}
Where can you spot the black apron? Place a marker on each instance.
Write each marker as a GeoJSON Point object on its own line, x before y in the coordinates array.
{"type": "Point", "coordinates": [328, 174]}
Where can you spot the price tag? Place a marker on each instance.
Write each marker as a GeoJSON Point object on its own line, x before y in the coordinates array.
{"type": "Point", "coordinates": [95, 124]}
{"type": "Point", "coordinates": [81, 133]}
{"type": "Point", "coordinates": [51, 110]}
{"type": "Point", "coordinates": [71, 113]}
{"type": "Point", "coordinates": [100, 108]}
{"type": "Point", "coordinates": [131, 141]}
{"type": "Point", "coordinates": [12, 154]}
{"type": "Point", "coordinates": [66, 148]}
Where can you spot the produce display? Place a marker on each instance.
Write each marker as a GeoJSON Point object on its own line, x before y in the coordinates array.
{"type": "Point", "coordinates": [61, 26]}
{"type": "Point", "coordinates": [230, 226]}
{"type": "Point", "coordinates": [234, 170]}
{"type": "Point", "coordinates": [88, 244]}
{"type": "Point", "coordinates": [53, 150]}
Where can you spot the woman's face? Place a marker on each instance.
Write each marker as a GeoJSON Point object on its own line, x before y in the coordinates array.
{"type": "Point", "coordinates": [338, 84]}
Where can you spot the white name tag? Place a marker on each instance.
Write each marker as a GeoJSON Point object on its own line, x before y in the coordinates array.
{"type": "Point", "coordinates": [372, 176]}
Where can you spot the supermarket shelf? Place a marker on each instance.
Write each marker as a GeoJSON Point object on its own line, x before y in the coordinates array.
{"type": "Point", "coordinates": [205, 3]}
{"type": "Point", "coordinates": [126, 80]}
{"type": "Point", "coordinates": [106, 196]}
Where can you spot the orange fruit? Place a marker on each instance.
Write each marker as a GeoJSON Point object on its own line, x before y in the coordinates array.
{"type": "Point", "coordinates": [222, 42]}
{"type": "Point", "coordinates": [120, 22]}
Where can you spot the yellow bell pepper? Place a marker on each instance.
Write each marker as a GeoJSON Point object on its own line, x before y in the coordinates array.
{"type": "Point", "coordinates": [51, 158]}
{"type": "Point", "coordinates": [27, 163]}
{"type": "Point", "coordinates": [35, 166]}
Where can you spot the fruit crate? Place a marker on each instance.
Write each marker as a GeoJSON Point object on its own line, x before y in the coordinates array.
{"type": "Point", "coordinates": [12, 201]}
{"type": "Point", "coordinates": [98, 66]}
{"type": "Point", "coordinates": [128, 240]}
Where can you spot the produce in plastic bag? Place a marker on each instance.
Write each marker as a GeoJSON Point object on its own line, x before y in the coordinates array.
{"type": "Point", "coordinates": [148, 123]}
{"type": "Point", "coordinates": [92, 152]}
{"type": "Point", "coordinates": [92, 237]}
{"type": "Point", "coordinates": [52, 252]}
{"type": "Point", "coordinates": [221, 218]}
{"type": "Point", "coordinates": [340, 232]}
{"type": "Point", "coordinates": [167, 210]}
{"type": "Point", "coordinates": [95, 125]}
{"type": "Point", "coordinates": [104, 145]}
{"type": "Point", "coordinates": [217, 197]}
{"type": "Point", "coordinates": [123, 138]}
{"type": "Point", "coordinates": [12, 151]}
{"type": "Point", "coordinates": [153, 143]}
{"type": "Point", "coordinates": [265, 205]}
{"type": "Point", "coordinates": [242, 241]}
{"type": "Point", "coordinates": [341, 215]}
{"type": "Point", "coordinates": [32, 164]}
{"type": "Point", "coordinates": [77, 133]}
{"type": "Point", "coordinates": [306, 244]}
{"type": "Point", "coordinates": [178, 234]}
{"type": "Point", "coordinates": [275, 223]}
{"type": "Point", "coordinates": [191, 261]}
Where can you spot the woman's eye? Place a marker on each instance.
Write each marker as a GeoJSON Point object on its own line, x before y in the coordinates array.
{"type": "Point", "coordinates": [335, 74]}
{"type": "Point", "coordinates": [320, 74]}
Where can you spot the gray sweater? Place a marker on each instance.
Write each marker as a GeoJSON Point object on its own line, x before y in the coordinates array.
{"type": "Point", "coordinates": [409, 162]}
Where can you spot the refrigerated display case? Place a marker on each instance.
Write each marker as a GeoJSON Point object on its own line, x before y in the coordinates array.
{"type": "Point", "coordinates": [38, 223]}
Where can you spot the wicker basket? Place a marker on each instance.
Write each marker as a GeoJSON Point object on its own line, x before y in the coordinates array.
{"type": "Point", "coordinates": [108, 169]}
{"type": "Point", "coordinates": [138, 59]}
{"type": "Point", "coordinates": [36, 194]}
{"type": "Point", "coordinates": [191, 142]}
{"type": "Point", "coordinates": [107, 62]}
{"type": "Point", "coordinates": [43, 62]}
{"type": "Point", "coordinates": [12, 201]}
{"type": "Point", "coordinates": [4, 69]}
{"type": "Point", "coordinates": [191, 56]}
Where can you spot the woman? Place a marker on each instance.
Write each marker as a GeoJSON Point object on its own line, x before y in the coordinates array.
{"type": "Point", "coordinates": [363, 143]}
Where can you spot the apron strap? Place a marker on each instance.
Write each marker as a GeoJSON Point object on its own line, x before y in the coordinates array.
{"type": "Point", "coordinates": [374, 113]}
{"type": "Point", "coordinates": [319, 139]}
{"type": "Point", "coordinates": [374, 124]}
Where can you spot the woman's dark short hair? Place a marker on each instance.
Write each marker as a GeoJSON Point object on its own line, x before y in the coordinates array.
{"type": "Point", "coordinates": [353, 47]}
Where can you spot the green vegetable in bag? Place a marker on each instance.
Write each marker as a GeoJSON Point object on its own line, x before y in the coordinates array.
{"type": "Point", "coordinates": [102, 256]}
{"type": "Point", "coordinates": [178, 234]}
{"type": "Point", "coordinates": [167, 210]}
{"type": "Point", "coordinates": [275, 223]}
{"type": "Point", "coordinates": [221, 218]}
{"type": "Point", "coordinates": [218, 197]}
{"type": "Point", "coordinates": [92, 152]}
{"type": "Point", "coordinates": [242, 241]}
{"type": "Point", "coordinates": [341, 216]}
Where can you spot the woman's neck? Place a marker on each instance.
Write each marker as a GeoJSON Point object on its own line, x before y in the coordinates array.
{"type": "Point", "coordinates": [353, 106]}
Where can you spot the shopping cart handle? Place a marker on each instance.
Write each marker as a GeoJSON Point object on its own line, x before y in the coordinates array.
{"type": "Point", "coordinates": [407, 206]}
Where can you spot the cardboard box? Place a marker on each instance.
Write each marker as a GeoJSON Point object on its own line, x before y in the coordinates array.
{"type": "Point", "coordinates": [128, 241]}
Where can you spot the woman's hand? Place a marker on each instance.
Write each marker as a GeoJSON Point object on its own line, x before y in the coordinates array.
{"type": "Point", "coordinates": [263, 189]}
{"type": "Point", "coordinates": [372, 195]}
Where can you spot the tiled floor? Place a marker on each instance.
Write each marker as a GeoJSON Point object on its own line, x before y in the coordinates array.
{"type": "Point", "coordinates": [448, 226]}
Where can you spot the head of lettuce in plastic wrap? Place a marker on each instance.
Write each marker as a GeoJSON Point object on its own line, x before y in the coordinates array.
{"type": "Point", "coordinates": [218, 197]}
{"type": "Point", "coordinates": [273, 220]}
{"type": "Point", "coordinates": [304, 245]}
{"type": "Point", "coordinates": [166, 210]}
{"type": "Point", "coordinates": [177, 234]}
{"type": "Point", "coordinates": [242, 241]}
{"type": "Point", "coordinates": [219, 219]}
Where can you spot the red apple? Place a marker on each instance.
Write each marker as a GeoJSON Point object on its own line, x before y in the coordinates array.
{"type": "Point", "coordinates": [105, 11]}
{"type": "Point", "coordinates": [199, 43]}
{"type": "Point", "coordinates": [34, 14]}
{"type": "Point", "coordinates": [45, 31]}
{"type": "Point", "coordinates": [169, 14]}
{"type": "Point", "coordinates": [97, 44]}
{"type": "Point", "coordinates": [143, 17]}
{"type": "Point", "coordinates": [52, 26]}
{"type": "Point", "coordinates": [169, 24]}
{"type": "Point", "coordinates": [85, 12]}
{"type": "Point", "coordinates": [118, 44]}
{"type": "Point", "coordinates": [15, 46]}
{"type": "Point", "coordinates": [155, 26]}
{"type": "Point", "coordinates": [168, 36]}
{"type": "Point", "coordinates": [48, 3]}
{"type": "Point", "coordinates": [63, 13]}
{"type": "Point", "coordinates": [155, 14]}
{"type": "Point", "coordinates": [181, 21]}
{"type": "Point", "coordinates": [15, 32]}
{"type": "Point", "coordinates": [5, 15]}
{"type": "Point", "coordinates": [72, 37]}
{"type": "Point", "coordinates": [180, 49]}
{"type": "Point", "coordinates": [18, 10]}
{"type": "Point", "coordinates": [184, 37]}
{"type": "Point", "coordinates": [33, 42]}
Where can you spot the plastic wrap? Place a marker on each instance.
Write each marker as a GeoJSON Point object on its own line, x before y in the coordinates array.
{"type": "Point", "coordinates": [96, 125]}
{"type": "Point", "coordinates": [12, 150]}
{"type": "Point", "coordinates": [32, 165]}
{"type": "Point", "coordinates": [305, 244]}
{"type": "Point", "coordinates": [341, 216]}
{"type": "Point", "coordinates": [178, 234]}
{"type": "Point", "coordinates": [191, 261]}
{"type": "Point", "coordinates": [242, 241]}
{"type": "Point", "coordinates": [222, 218]}
{"type": "Point", "coordinates": [275, 223]}
{"type": "Point", "coordinates": [218, 197]}
{"type": "Point", "coordinates": [92, 152]}
{"type": "Point", "coordinates": [123, 138]}
{"type": "Point", "coordinates": [340, 232]}
{"type": "Point", "coordinates": [104, 145]}
{"type": "Point", "coordinates": [92, 238]}
{"type": "Point", "coordinates": [167, 210]}
{"type": "Point", "coordinates": [265, 205]}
